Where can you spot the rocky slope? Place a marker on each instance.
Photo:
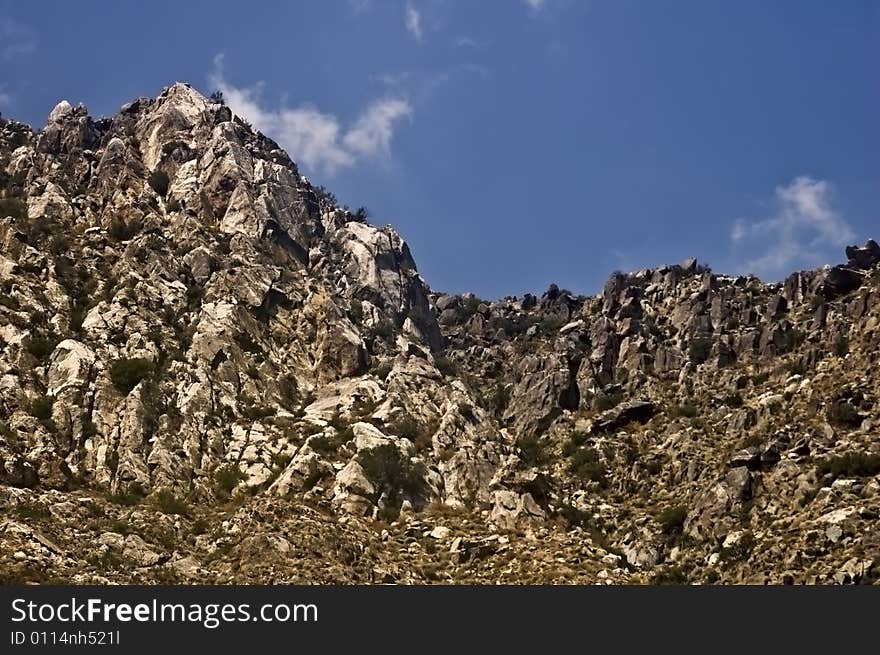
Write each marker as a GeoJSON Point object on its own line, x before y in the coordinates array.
{"type": "Point", "coordinates": [213, 373]}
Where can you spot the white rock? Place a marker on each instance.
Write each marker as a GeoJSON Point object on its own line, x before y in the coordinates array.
{"type": "Point", "coordinates": [441, 532]}
{"type": "Point", "coordinates": [60, 110]}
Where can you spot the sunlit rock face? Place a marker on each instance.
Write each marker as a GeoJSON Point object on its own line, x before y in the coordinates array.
{"type": "Point", "coordinates": [197, 342]}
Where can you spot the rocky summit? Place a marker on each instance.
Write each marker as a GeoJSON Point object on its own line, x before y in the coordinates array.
{"type": "Point", "coordinates": [210, 372]}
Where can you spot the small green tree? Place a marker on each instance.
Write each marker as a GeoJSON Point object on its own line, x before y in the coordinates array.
{"type": "Point", "coordinates": [122, 231]}
{"type": "Point", "coordinates": [159, 182]}
{"type": "Point", "coordinates": [226, 478]}
{"type": "Point", "coordinates": [14, 207]}
{"type": "Point", "coordinates": [168, 503]}
{"type": "Point", "coordinates": [126, 374]}
{"type": "Point", "coordinates": [41, 408]}
{"type": "Point", "coordinates": [391, 471]}
{"type": "Point", "coordinates": [844, 415]}
{"type": "Point", "coordinates": [672, 519]}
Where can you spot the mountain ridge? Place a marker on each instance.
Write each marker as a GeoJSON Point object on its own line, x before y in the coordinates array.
{"type": "Point", "coordinates": [211, 372]}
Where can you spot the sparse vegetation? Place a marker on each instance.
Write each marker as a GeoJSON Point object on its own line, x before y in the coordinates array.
{"type": "Point", "coordinates": [445, 365]}
{"type": "Point", "coordinates": [740, 550]}
{"type": "Point", "coordinates": [851, 464]}
{"type": "Point", "coordinates": [329, 444]}
{"type": "Point", "coordinates": [532, 450]}
{"type": "Point", "coordinates": [550, 325]}
{"type": "Point", "coordinates": [126, 374]}
{"type": "Point", "coordinates": [672, 519]}
{"type": "Point", "coordinates": [200, 526]}
{"type": "Point", "coordinates": [660, 425]}
{"type": "Point", "coordinates": [131, 494]}
{"type": "Point", "coordinates": [575, 441]}
{"type": "Point", "coordinates": [685, 410]}
{"type": "Point", "coordinates": [500, 399]}
{"type": "Point", "coordinates": [733, 400]}
{"type": "Point", "coordinates": [844, 415]}
{"type": "Point", "coordinates": [168, 503]}
{"type": "Point", "coordinates": [469, 306]}
{"type": "Point", "coordinates": [253, 411]}
{"type": "Point", "coordinates": [382, 370]}
{"type": "Point", "coordinates": [605, 401]}
{"type": "Point", "coordinates": [405, 426]}
{"type": "Point", "coordinates": [586, 464]}
{"type": "Point", "coordinates": [226, 478]}
{"type": "Point", "coordinates": [159, 182]}
{"type": "Point", "coordinates": [699, 350]}
{"type": "Point", "coordinates": [392, 472]}
{"type": "Point", "coordinates": [14, 207]}
{"type": "Point", "coordinates": [40, 407]}
{"type": "Point", "coordinates": [40, 346]}
{"type": "Point", "coordinates": [120, 230]}
{"type": "Point", "coordinates": [384, 330]}
{"type": "Point", "coordinates": [32, 511]}
{"type": "Point", "coordinates": [325, 196]}
{"type": "Point", "coordinates": [108, 560]}
{"type": "Point", "coordinates": [670, 575]}
{"type": "Point", "coordinates": [194, 295]}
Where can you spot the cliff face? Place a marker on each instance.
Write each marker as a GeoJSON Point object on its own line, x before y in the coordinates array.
{"type": "Point", "coordinates": [211, 372]}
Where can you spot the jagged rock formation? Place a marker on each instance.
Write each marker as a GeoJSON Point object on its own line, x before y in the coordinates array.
{"type": "Point", "coordinates": [212, 372]}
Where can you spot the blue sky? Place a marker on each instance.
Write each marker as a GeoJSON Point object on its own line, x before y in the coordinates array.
{"type": "Point", "coordinates": [516, 143]}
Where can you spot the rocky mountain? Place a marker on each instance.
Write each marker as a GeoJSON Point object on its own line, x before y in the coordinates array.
{"type": "Point", "coordinates": [211, 372]}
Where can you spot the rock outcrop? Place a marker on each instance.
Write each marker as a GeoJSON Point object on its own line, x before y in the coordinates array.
{"type": "Point", "coordinates": [212, 372]}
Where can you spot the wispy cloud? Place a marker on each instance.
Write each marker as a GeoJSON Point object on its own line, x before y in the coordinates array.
{"type": "Point", "coordinates": [360, 6]}
{"type": "Point", "coordinates": [801, 229]}
{"type": "Point", "coordinates": [371, 134]}
{"type": "Point", "coordinates": [413, 21]}
{"type": "Point", "coordinates": [536, 5]}
{"type": "Point", "coordinates": [315, 139]}
{"type": "Point", "coordinates": [15, 39]}
{"type": "Point", "coordinates": [418, 86]}
{"type": "Point", "coordinates": [478, 70]}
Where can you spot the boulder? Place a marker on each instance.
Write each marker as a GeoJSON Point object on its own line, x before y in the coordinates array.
{"type": "Point", "coordinates": [712, 514]}
{"type": "Point", "coordinates": [633, 411]}
{"type": "Point", "coordinates": [865, 257]}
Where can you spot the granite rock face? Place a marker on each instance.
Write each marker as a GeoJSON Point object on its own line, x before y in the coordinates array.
{"type": "Point", "coordinates": [212, 372]}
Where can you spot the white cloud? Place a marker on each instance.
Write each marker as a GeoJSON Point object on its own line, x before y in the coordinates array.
{"type": "Point", "coordinates": [360, 6]}
{"type": "Point", "coordinates": [803, 226]}
{"type": "Point", "coordinates": [413, 21]}
{"type": "Point", "coordinates": [5, 98]}
{"type": "Point", "coordinates": [371, 134]}
{"type": "Point", "coordinates": [312, 138]}
{"type": "Point", "coordinates": [536, 5]}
